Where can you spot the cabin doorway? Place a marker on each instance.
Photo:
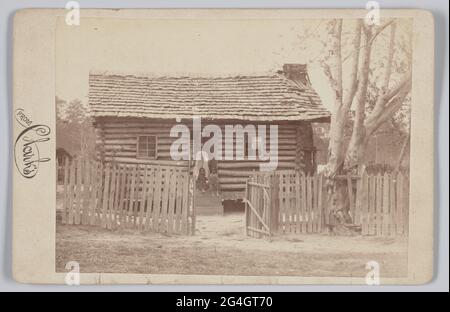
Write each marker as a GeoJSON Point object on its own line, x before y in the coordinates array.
{"type": "Point", "coordinates": [207, 199]}
{"type": "Point", "coordinates": [233, 206]}
{"type": "Point", "coordinates": [207, 203]}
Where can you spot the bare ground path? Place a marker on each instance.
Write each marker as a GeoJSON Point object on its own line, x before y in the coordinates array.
{"type": "Point", "coordinates": [221, 248]}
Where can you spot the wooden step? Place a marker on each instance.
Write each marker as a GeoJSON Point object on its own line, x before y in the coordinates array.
{"type": "Point", "coordinates": [208, 204]}
{"type": "Point", "coordinates": [208, 211]}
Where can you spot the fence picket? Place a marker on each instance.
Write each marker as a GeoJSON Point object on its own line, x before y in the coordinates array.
{"type": "Point", "coordinates": [157, 200]}
{"type": "Point", "coordinates": [86, 185]}
{"type": "Point", "coordinates": [143, 200]}
{"type": "Point", "coordinates": [105, 197]}
{"type": "Point", "coordinates": [120, 195]}
{"type": "Point", "coordinates": [137, 192]}
{"type": "Point", "coordinates": [115, 220]}
{"type": "Point", "coordinates": [373, 205]}
{"type": "Point", "coordinates": [401, 228]}
{"type": "Point", "coordinates": [405, 216]}
{"type": "Point", "coordinates": [255, 200]}
{"type": "Point", "coordinates": [392, 211]}
{"type": "Point", "coordinates": [66, 193]}
{"type": "Point", "coordinates": [71, 195]}
{"type": "Point", "coordinates": [385, 209]}
{"type": "Point", "coordinates": [305, 203]}
{"type": "Point", "coordinates": [379, 205]}
{"type": "Point", "coordinates": [282, 205]}
{"type": "Point", "coordinates": [292, 210]}
{"type": "Point", "coordinates": [184, 220]}
{"type": "Point", "coordinates": [298, 202]}
{"type": "Point", "coordinates": [111, 195]}
{"type": "Point", "coordinates": [131, 203]}
{"type": "Point", "coordinates": [93, 197]}
{"type": "Point", "coordinates": [165, 200]}
{"type": "Point", "coordinates": [287, 209]}
{"type": "Point", "coordinates": [275, 203]}
{"type": "Point", "coordinates": [150, 193]}
{"type": "Point", "coordinates": [177, 205]}
{"type": "Point", "coordinates": [260, 207]}
{"type": "Point", "coordinates": [171, 204]}
{"type": "Point", "coordinates": [365, 200]}
{"type": "Point", "coordinates": [319, 203]}
{"type": "Point", "coordinates": [99, 195]}
{"type": "Point", "coordinates": [358, 201]}
{"type": "Point", "coordinates": [309, 202]}
{"type": "Point", "coordinates": [79, 191]}
{"type": "Point", "coordinates": [126, 196]}
{"type": "Point", "coordinates": [350, 196]}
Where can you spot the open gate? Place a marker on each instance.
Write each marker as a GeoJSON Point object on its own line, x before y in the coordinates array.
{"type": "Point", "coordinates": [261, 206]}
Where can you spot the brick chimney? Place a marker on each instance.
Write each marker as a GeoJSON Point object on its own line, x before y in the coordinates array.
{"type": "Point", "coordinates": [297, 73]}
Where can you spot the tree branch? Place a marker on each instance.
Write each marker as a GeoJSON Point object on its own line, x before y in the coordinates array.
{"type": "Point", "coordinates": [384, 99]}
{"type": "Point", "coordinates": [354, 66]}
{"type": "Point", "coordinates": [379, 30]}
{"type": "Point", "coordinates": [387, 74]}
{"type": "Point", "coordinates": [402, 152]}
{"type": "Point", "coordinates": [334, 73]}
{"type": "Point", "coordinates": [390, 108]}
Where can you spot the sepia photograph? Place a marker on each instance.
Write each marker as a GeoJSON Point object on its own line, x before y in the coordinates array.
{"type": "Point", "coordinates": [224, 154]}
{"type": "Point", "coordinates": [234, 147]}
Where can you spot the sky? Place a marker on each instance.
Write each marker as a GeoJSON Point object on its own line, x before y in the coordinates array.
{"type": "Point", "coordinates": [180, 48]}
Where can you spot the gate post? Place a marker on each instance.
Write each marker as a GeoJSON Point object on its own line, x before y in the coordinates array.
{"type": "Point", "coordinates": [191, 200]}
{"type": "Point", "coordinates": [275, 203]}
{"type": "Point", "coordinates": [246, 207]}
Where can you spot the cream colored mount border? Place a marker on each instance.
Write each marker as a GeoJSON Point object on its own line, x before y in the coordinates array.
{"type": "Point", "coordinates": [34, 199]}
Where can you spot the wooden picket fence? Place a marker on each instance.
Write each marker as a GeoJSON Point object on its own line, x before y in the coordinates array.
{"type": "Point", "coordinates": [293, 202]}
{"type": "Point", "coordinates": [300, 203]}
{"type": "Point", "coordinates": [380, 203]}
{"type": "Point", "coordinates": [118, 196]}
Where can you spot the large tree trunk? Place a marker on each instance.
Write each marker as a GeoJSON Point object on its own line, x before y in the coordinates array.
{"type": "Point", "coordinates": [336, 150]}
{"type": "Point", "coordinates": [356, 147]}
{"type": "Point", "coordinates": [337, 196]}
{"type": "Point", "coordinates": [349, 159]}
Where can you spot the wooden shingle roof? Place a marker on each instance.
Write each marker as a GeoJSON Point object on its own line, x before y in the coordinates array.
{"type": "Point", "coordinates": [252, 98]}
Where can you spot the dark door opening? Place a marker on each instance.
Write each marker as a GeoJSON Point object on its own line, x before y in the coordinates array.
{"type": "Point", "coordinates": [233, 206]}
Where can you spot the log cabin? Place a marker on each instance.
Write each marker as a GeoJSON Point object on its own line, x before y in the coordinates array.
{"type": "Point", "coordinates": [133, 115]}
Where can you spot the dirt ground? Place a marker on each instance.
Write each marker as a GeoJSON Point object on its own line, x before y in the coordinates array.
{"type": "Point", "coordinates": [221, 248]}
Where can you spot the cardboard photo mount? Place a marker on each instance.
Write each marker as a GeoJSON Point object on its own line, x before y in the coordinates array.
{"type": "Point", "coordinates": [34, 196]}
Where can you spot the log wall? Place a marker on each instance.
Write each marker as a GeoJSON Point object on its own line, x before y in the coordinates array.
{"type": "Point", "coordinates": [117, 142]}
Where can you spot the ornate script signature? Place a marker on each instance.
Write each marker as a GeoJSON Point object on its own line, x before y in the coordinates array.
{"type": "Point", "coordinates": [26, 146]}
